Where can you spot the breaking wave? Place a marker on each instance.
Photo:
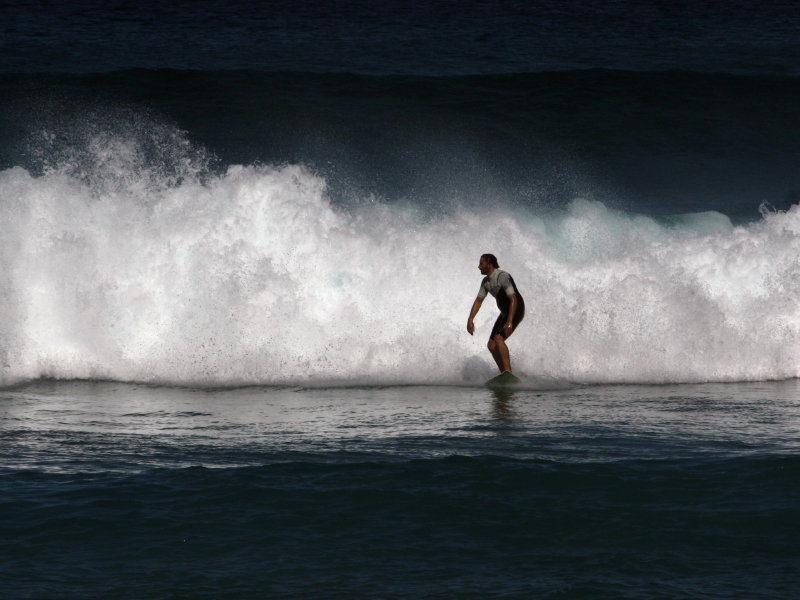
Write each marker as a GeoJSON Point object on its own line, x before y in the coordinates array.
{"type": "Point", "coordinates": [113, 270]}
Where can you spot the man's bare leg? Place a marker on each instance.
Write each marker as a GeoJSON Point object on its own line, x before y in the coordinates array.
{"type": "Point", "coordinates": [499, 350]}
{"type": "Point", "coordinates": [495, 354]}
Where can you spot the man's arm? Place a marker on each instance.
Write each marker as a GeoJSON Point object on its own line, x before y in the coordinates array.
{"type": "Point", "coordinates": [476, 306]}
{"type": "Point", "coordinates": [512, 309]}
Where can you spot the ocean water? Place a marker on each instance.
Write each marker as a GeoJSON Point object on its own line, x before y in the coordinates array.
{"type": "Point", "coordinates": [130, 491]}
{"type": "Point", "coordinates": [239, 247]}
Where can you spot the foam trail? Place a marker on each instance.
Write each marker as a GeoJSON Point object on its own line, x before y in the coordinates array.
{"type": "Point", "coordinates": [253, 277]}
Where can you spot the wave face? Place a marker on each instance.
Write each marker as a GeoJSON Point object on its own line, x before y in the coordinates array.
{"type": "Point", "coordinates": [654, 143]}
{"type": "Point", "coordinates": [114, 268]}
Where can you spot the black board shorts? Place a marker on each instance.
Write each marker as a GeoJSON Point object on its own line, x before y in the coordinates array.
{"type": "Point", "coordinates": [500, 324]}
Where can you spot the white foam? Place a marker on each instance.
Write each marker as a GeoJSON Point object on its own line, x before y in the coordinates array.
{"type": "Point", "coordinates": [253, 277]}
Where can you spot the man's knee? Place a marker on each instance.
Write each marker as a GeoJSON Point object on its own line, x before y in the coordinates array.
{"type": "Point", "coordinates": [498, 340]}
{"type": "Point", "coordinates": [491, 345]}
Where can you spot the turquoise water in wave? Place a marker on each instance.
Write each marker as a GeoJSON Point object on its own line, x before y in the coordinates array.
{"type": "Point", "coordinates": [128, 491]}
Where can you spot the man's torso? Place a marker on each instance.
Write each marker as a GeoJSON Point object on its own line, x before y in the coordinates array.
{"type": "Point", "coordinates": [500, 284]}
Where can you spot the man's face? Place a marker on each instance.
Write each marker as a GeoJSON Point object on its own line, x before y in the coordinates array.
{"type": "Point", "coordinates": [483, 266]}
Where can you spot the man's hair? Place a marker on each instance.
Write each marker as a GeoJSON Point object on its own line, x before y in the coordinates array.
{"type": "Point", "coordinates": [491, 259]}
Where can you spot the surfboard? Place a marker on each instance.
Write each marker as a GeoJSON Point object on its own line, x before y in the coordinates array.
{"type": "Point", "coordinates": [505, 379]}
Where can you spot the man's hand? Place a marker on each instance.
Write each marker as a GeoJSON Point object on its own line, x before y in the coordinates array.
{"type": "Point", "coordinates": [512, 310]}
{"type": "Point", "coordinates": [476, 306]}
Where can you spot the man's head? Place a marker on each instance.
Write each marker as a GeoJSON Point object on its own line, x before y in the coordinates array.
{"type": "Point", "coordinates": [487, 264]}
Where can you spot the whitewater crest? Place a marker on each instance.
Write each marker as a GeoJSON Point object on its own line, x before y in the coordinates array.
{"type": "Point", "coordinates": [254, 277]}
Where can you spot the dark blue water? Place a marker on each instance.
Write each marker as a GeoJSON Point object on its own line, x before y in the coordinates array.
{"type": "Point", "coordinates": [625, 492]}
{"type": "Point", "coordinates": [436, 38]}
{"type": "Point", "coordinates": [258, 226]}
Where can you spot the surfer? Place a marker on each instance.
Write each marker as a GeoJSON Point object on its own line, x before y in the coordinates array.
{"type": "Point", "coordinates": [501, 285]}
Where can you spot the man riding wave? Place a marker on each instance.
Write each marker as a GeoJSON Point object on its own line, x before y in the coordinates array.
{"type": "Point", "coordinates": [501, 285]}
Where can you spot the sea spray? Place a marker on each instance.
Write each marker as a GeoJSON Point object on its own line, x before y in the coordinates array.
{"type": "Point", "coordinates": [122, 272]}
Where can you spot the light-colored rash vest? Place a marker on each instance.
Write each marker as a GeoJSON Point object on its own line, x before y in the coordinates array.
{"type": "Point", "coordinates": [492, 284]}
